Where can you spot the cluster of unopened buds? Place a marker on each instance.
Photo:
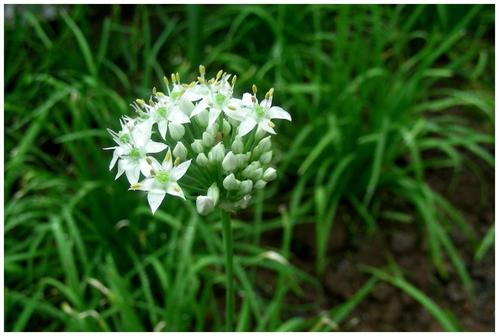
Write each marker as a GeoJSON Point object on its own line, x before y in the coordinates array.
{"type": "Point", "coordinates": [214, 148]}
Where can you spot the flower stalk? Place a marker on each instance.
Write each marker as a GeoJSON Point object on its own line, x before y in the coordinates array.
{"type": "Point", "coordinates": [229, 270]}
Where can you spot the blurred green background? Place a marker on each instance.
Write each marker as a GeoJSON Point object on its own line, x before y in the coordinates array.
{"type": "Point", "coordinates": [384, 200]}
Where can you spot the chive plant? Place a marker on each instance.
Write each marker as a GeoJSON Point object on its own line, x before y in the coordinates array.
{"type": "Point", "coordinates": [221, 150]}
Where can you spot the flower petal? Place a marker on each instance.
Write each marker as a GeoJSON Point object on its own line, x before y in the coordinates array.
{"type": "Point", "coordinates": [175, 190]}
{"type": "Point", "coordinates": [186, 107]}
{"type": "Point", "coordinates": [113, 160]}
{"type": "Point", "coordinates": [145, 167]}
{"type": "Point", "coordinates": [167, 161]}
{"type": "Point", "coordinates": [142, 133]}
{"type": "Point", "coordinates": [264, 124]}
{"type": "Point", "coordinates": [178, 117]}
{"type": "Point", "coordinates": [155, 198]}
{"type": "Point", "coordinates": [163, 127]}
{"type": "Point", "coordinates": [247, 99]}
{"type": "Point", "coordinates": [120, 169]}
{"type": "Point", "coordinates": [200, 107]}
{"type": "Point", "coordinates": [277, 112]}
{"type": "Point", "coordinates": [214, 113]}
{"type": "Point", "coordinates": [133, 174]}
{"type": "Point", "coordinates": [154, 147]}
{"type": "Point", "coordinates": [180, 170]}
{"type": "Point", "coordinates": [246, 127]}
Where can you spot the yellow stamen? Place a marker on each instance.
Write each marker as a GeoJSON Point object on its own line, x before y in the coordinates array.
{"type": "Point", "coordinates": [168, 157]}
{"type": "Point", "coordinates": [135, 186]}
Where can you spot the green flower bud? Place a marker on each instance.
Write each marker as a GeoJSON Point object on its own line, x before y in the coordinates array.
{"type": "Point", "coordinates": [217, 153]}
{"type": "Point", "coordinates": [176, 131]}
{"type": "Point", "coordinates": [266, 157]}
{"type": "Point", "coordinates": [180, 151]}
{"type": "Point", "coordinates": [204, 205]}
{"type": "Point", "coordinates": [208, 139]}
{"type": "Point", "coordinates": [257, 174]}
{"type": "Point", "coordinates": [226, 128]}
{"type": "Point", "coordinates": [237, 146]}
{"type": "Point", "coordinates": [246, 186]}
{"type": "Point", "coordinates": [269, 174]}
{"type": "Point", "coordinates": [260, 184]}
{"type": "Point", "coordinates": [230, 162]}
{"type": "Point", "coordinates": [214, 193]}
{"type": "Point", "coordinates": [197, 146]}
{"type": "Point", "coordinates": [202, 160]}
{"type": "Point", "coordinates": [231, 183]}
{"type": "Point", "coordinates": [203, 118]}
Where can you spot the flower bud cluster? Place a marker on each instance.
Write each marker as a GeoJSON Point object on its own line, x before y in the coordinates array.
{"type": "Point", "coordinates": [199, 141]}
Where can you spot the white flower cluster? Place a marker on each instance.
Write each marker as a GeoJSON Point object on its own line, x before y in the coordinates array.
{"type": "Point", "coordinates": [217, 148]}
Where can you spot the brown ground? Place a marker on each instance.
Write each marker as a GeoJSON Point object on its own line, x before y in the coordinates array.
{"type": "Point", "coordinates": [388, 308]}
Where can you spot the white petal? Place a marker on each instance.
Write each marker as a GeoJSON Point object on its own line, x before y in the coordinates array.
{"type": "Point", "coordinates": [154, 147]}
{"type": "Point", "coordinates": [264, 124]}
{"type": "Point", "coordinates": [247, 99]}
{"type": "Point", "coordinates": [178, 117]}
{"type": "Point", "coordinates": [142, 133]}
{"type": "Point", "coordinates": [200, 107]}
{"type": "Point", "coordinates": [175, 190]}
{"type": "Point", "coordinates": [167, 161]}
{"type": "Point", "coordinates": [133, 174]}
{"type": "Point", "coordinates": [155, 199]}
{"type": "Point", "coordinates": [120, 169]}
{"type": "Point", "coordinates": [180, 170]}
{"type": "Point", "coordinates": [246, 127]}
{"type": "Point", "coordinates": [186, 106]}
{"type": "Point", "coordinates": [145, 167]}
{"type": "Point", "coordinates": [113, 160]}
{"type": "Point", "coordinates": [214, 113]}
{"type": "Point", "coordinates": [277, 112]}
{"type": "Point", "coordinates": [163, 127]}
{"type": "Point", "coordinates": [147, 185]}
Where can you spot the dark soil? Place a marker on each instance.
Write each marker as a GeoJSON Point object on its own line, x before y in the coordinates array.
{"type": "Point", "coordinates": [388, 308]}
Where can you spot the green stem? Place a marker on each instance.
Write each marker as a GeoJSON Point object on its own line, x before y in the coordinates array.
{"type": "Point", "coordinates": [229, 299]}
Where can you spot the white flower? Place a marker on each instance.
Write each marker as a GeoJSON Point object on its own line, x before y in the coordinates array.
{"type": "Point", "coordinates": [206, 127]}
{"type": "Point", "coordinates": [218, 98]}
{"type": "Point", "coordinates": [132, 151]}
{"type": "Point", "coordinates": [260, 115]}
{"type": "Point", "coordinates": [170, 112]}
{"type": "Point", "coordinates": [162, 180]}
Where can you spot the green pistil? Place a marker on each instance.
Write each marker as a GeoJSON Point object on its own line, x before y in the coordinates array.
{"type": "Point", "coordinates": [162, 177]}
{"type": "Point", "coordinates": [134, 154]}
{"type": "Point", "coordinates": [260, 111]}
{"type": "Point", "coordinates": [162, 112]}
{"type": "Point", "coordinates": [125, 138]}
{"type": "Point", "coordinates": [175, 95]}
{"type": "Point", "coordinates": [220, 99]}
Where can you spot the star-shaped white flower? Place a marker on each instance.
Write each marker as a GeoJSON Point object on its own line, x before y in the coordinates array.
{"type": "Point", "coordinates": [217, 97]}
{"type": "Point", "coordinates": [162, 180]}
{"type": "Point", "coordinates": [171, 111]}
{"type": "Point", "coordinates": [260, 114]}
{"type": "Point", "coordinates": [134, 143]}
